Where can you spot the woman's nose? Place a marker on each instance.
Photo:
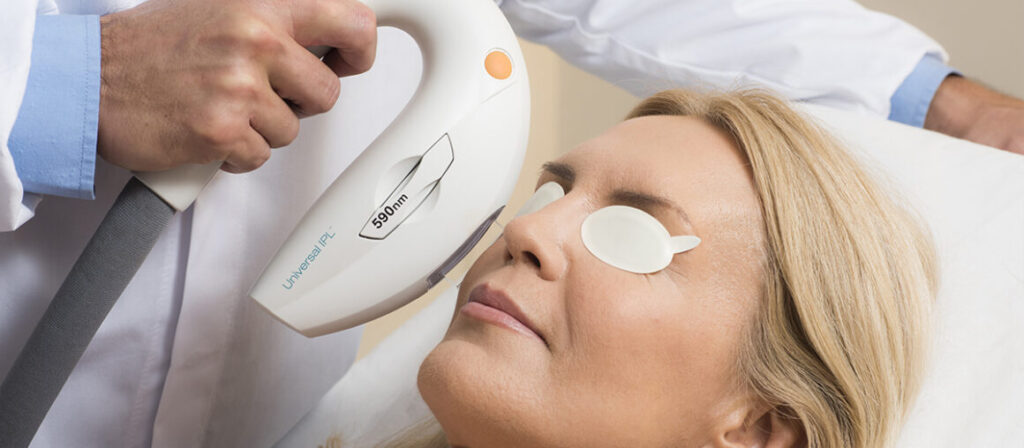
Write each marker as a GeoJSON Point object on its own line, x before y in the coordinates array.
{"type": "Point", "coordinates": [538, 240]}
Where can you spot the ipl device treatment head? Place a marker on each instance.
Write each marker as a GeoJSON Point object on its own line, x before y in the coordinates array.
{"type": "Point", "coordinates": [424, 192]}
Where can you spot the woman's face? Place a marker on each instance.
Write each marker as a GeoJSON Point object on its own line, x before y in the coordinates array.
{"type": "Point", "coordinates": [595, 355]}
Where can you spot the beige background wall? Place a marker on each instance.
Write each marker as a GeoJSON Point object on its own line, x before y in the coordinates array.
{"type": "Point", "coordinates": [984, 37]}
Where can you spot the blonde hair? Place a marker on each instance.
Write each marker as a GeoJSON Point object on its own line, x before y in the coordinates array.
{"type": "Point", "coordinates": [840, 338]}
{"type": "Point", "coordinates": [426, 433]}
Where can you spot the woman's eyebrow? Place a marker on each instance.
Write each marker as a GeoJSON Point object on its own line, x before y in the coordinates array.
{"type": "Point", "coordinates": [561, 170]}
{"type": "Point", "coordinates": [631, 198]}
{"type": "Point", "coordinates": [646, 201]}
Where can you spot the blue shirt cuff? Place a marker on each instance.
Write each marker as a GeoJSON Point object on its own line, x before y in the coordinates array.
{"type": "Point", "coordinates": [53, 142]}
{"type": "Point", "coordinates": [911, 101]}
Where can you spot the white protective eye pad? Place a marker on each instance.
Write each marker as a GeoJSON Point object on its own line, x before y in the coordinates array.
{"type": "Point", "coordinates": [632, 240]}
{"type": "Point", "coordinates": [546, 194]}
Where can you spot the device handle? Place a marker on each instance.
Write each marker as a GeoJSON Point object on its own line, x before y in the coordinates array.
{"type": "Point", "coordinates": [180, 186]}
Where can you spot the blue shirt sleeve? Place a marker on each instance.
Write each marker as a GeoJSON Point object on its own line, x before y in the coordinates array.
{"type": "Point", "coordinates": [53, 142]}
{"type": "Point", "coordinates": [911, 101]}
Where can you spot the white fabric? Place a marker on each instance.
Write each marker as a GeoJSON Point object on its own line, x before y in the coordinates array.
{"type": "Point", "coordinates": [377, 398]}
{"type": "Point", "coordinates": [185, 359]}
{"type": "Point", "coordinates": [16, 27]}
{"type": "Point", "coordinates": [972, 198]}
{"type": "Point", "coordinates": [830, 52]}
{"type": "Point", "coordinates": [114, 391]}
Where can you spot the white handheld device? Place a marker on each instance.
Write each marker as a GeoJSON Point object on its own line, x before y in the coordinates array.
{"type": "Point", "coordinates": [390, 227]}
{"type": "Point", "coordinates": [424, 192]}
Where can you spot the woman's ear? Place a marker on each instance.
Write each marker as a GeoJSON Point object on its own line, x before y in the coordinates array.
{"type": "Point", "coordinates": [760, 426]}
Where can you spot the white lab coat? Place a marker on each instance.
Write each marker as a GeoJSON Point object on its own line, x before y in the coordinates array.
{"type": "Point", "coordinates": [185, 359]}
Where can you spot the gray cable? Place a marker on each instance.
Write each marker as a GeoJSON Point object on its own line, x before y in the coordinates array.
{"type": "Point", "coordinates": [108, 263]}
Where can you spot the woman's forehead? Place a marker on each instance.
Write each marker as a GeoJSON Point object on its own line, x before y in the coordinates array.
{"type": "Point", "coordinates": [662, 153]}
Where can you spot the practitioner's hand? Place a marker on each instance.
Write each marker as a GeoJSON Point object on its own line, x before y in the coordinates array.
{"type": "Point", "coordinates": [968, 110]}
{"type": "Point", "coordinates": [196, 81]}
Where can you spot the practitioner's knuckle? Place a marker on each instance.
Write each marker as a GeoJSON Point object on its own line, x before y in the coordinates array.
{"type": "Point", "coordinates": [329, 89]}
{"type": "Point", "coordinates": [253, 36]}
{"type": "Point", "coordinates": [289, 132]}
{"type": "Point", "coordinates": [239, 82]}
{"type": "Point", "coordinates": [258, 155]}
{"type": "Point", "coordinates": [363, 23]}
{"type": "Point", "coordinates": [217, 132]}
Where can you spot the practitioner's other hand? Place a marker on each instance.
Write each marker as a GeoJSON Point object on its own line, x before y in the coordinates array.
{"type": "Point", "coordinates": [965, 109]}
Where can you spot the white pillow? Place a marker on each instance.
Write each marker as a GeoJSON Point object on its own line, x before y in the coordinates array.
{"type": "Point", "coordinates": [971, 196]}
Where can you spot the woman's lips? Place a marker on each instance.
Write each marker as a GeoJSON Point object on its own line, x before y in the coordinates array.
{"type": "Point", "coordinates": [493, 306]}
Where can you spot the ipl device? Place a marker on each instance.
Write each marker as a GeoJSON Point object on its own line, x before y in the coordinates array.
{"type": "Point", "coordinates": [390, 227]}
{"type": "Point", "coordinates": [425, 191]}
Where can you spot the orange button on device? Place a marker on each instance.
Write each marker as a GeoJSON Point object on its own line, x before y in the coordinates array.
{"type": "Point", "coordinates": [498, 64]}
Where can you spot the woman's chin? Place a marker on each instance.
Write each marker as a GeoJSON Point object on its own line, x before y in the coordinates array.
{"type": "Point", "coordinates": [482, 362]}
{"type": "Point", "coordinates": [468, 380]}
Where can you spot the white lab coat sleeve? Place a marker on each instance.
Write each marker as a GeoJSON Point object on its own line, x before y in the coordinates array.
{"type": "Point", "coordinates": [831, 52]}
{"type": "Point", "coordinates": [17, 23]}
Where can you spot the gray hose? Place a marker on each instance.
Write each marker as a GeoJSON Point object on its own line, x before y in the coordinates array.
{"type": "Point", "coordinates": [108, 263]}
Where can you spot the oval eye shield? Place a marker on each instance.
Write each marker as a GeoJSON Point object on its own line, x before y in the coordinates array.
{"type": "Point", "coordinates": [621, 236]}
